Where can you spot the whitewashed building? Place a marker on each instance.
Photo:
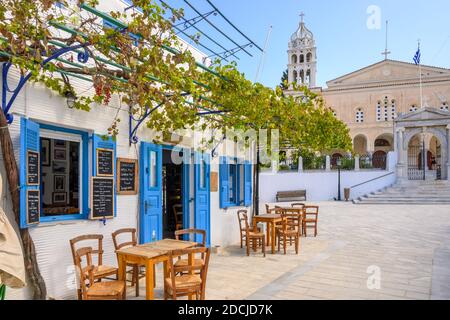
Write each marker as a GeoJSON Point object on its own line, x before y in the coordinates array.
{"type": "Point", "coordinates": [71, 160]}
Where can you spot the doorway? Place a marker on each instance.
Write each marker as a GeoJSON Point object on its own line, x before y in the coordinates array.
{"type": "Point", "coordinates": [173, 191]}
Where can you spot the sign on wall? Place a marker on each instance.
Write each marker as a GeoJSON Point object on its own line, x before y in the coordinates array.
{"type": "Point", "coordinates": [102, 198]}
{"type": "Point", "coordinates": [33, 206]}
{"type": "Point", "coordinates": [214, 181]}
{"type": "Point", "coordinates": [127, 177]}
{"type": "Point", "coordinates": [33, 168]}
{"type": "Point", "coordinates": [105, 162]}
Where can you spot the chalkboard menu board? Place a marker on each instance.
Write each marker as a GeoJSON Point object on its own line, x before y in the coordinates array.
{"type": "Point", "coordinates": [105, 162]}
{"type": "Point", "coordinates": [102, 198]}
{"type": "Point", "coordinates": [33, 206]}
{"type": "Point", "coordinates": [33, 168]}
{"type": "Point", "coordinates": [127, 176]}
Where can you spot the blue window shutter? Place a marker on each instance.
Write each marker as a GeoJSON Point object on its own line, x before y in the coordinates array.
{"type": "Point", "coordinates": [104, 142]}
{"type": "Point", "coordinates": [224, 183]}
{"type": "Point", "coordinates": [248, 185]}
{"type": "Point", "coordinates": [29, 141]}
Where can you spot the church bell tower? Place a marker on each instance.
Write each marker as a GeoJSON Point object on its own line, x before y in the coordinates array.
{"type": "Point", "coordinates": [302, 65]}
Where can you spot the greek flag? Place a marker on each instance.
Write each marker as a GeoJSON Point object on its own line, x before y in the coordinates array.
{"type": "Point", "coordinates": [417, 57]}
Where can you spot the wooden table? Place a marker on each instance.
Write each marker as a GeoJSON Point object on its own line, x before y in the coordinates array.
{"type": "Point", "coordinates": [149, 255]}
{"type": "Point", "coordinates": [270, 220]}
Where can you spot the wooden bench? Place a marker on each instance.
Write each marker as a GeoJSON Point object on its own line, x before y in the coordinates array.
{"type": "Point", "coordinates": [289, 196]}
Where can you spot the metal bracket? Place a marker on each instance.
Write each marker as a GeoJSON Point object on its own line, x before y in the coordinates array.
{"type": "Point", "coordinates": [82, 56]}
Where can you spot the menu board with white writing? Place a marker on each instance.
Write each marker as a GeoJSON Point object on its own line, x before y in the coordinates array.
{"type": "Point", "coordinates": [33, 168]}
{"type": "Point", "coordinates": [127, 176]}
{"type": "Point", "coordinates": [33, 206]}
{"type": "Point", "coordinates": [105, 162]}
{"type": "Point", "coordinates": [102, 198]}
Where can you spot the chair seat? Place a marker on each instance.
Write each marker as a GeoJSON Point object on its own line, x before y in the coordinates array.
{"type": "Point", "coordinates": [256, 234]}
{"type": "Point", "coordinates": [185, 262]}
{"type": "Point", "coordinates": [104, 271]}
{"type": "Point", "coordinates": [185, 281]}
{"type": "Point", "coordinates": [106, 289]}
{"type": "Point", "coordinates": [288, 232]}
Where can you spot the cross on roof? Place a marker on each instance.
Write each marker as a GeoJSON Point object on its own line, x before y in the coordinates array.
{"type": "Point", "coordinates": [302, 15]}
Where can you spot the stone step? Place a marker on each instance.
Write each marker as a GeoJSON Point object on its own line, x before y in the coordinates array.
{"type": "Point", "coordinates": [413, 193]}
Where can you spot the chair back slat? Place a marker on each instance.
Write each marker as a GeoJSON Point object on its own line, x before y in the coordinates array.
{"type": "Point", "coordinates": [86, 272]}
{"type": "Point", "coordinates": [132, 236]}
{"type": "Point", "coordinates": [88, 237]}
{"type": "Point", "coordinates": [191, 267]}
{"type": "Point", "coordinates": [180, 233]}
{"type": "Point", "coordinates": [243, 221]}
{"type": "Point", "coordinates": [312, 211]}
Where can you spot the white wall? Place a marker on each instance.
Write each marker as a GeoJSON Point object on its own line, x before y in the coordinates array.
{"type": "Point", "coordinates": [323, 185]}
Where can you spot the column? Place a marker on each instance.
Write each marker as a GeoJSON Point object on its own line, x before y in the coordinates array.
{"type": "Point", "coordinates": [328, 163]}
{"type": "Point", "coordinates": [300, 164]}
{"type": "Point", "coordinates": [401, 159]}
{"type": "Point", "coordinates": [357, 163]}
{"type": "Point", "coordinates": [447, 174]}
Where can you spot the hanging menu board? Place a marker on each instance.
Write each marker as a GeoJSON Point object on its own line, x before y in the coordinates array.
{"type": "Point", "coordinates": [127, 177]}
{"type": "Point", "coordinates": [105, 162]}
{"type": "Point", "coordinates": [33, 206]}
{"type": "Point", "coordinates": [102, 198]}
{"type": "Point", "coordinates": [33, 168]}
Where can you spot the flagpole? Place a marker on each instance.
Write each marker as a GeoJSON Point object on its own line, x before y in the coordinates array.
{"type": "Point", "coordinates": [420, 76]}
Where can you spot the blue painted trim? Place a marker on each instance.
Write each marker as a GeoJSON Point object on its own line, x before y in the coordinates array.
{"type": "Point", "coordinates": [186, 187]}
{"type": "Point", "coordinates": [237, 181]}
{"type": "Point", "coordinates": [84, 179]}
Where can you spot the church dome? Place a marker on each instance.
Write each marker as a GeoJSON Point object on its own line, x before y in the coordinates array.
{"type": "Point", "coordinates": [302, 33]}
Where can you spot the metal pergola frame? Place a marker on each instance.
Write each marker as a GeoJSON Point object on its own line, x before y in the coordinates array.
{"type": "Point", "coordinates": [83, 57]}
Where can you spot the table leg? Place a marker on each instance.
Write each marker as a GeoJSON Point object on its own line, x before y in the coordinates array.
{"type": "Point", "coordinates": [149, 279]}
{"type": "Point", "coordinates": [273, 240]}
{"type": "Point", "coordinates": [268, 233]}
{"type": "Point", "coordinates": [166, 275]}
{"type": "Point", "coordinates": [191, 272]}
{"type": "Point", "coordinates": [122, 273]}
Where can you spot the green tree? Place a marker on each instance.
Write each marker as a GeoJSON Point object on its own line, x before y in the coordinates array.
{"type": "Point", "coordinates": [284, 80]}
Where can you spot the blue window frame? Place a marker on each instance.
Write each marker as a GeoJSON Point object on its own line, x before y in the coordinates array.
{"type": "Point", "coordinates": [235, 180]}
{"type": "Point", "coordinates": [84, 176]}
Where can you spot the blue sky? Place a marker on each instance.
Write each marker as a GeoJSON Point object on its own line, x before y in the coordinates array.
{"type": "Point", "coordinates": [344, 41]}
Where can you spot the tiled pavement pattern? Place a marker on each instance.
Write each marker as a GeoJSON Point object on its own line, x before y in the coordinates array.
{"type": "Point", "coordinates": [409, 244]}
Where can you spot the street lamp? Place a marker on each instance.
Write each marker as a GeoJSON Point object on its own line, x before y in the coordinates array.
{"type": "Point", "coordinates": [71, 99]}
{"type": "Point", "coordinates": [339, 164]}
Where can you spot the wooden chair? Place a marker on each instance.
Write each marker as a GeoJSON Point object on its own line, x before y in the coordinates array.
{"type": "Point", "coordinates": [178, 214]}
{"type": "Point", "coordinates": [192, 280]}
{"type": "Point", "coordinates": [100, 271]}
{"type": "Point", "coordinates": [253, 236]}
{"type": "Point", "coordinates": [91, 289]}
{"type": "Point", "coordinates": [182, 263]}
{"type": "Point", "coordinates": [136, 275]}
{"type": "Point", "coordinates": [242, 228]}
{"type": "Point", "coordinates": [311, 218]}
{"type": "Point", "coordinates": [287, 231]}
{"type": "Point", "coordinates": [270, 210]}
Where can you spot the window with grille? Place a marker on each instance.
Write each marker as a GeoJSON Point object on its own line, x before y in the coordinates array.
{"type": "Point", "coordinates": [386, 110]}
{"type": "Point", "coordinates": [359, 115]}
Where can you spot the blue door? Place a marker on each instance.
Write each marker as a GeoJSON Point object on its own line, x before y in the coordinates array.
{"type": "Point", "coordinates": [150, 193]}
{"type": "Point", "coordinates": [202, 194]}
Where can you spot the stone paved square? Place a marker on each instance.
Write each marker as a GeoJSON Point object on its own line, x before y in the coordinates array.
{"type": "Point", "coordinates": [409, 244]}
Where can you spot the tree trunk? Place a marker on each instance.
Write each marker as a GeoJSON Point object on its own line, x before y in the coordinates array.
{"type": "Point", "coordinates": [35, 278]}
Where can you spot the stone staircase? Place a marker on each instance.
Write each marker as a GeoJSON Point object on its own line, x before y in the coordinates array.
{"type": "Point", "coordinates": [410, 193]}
